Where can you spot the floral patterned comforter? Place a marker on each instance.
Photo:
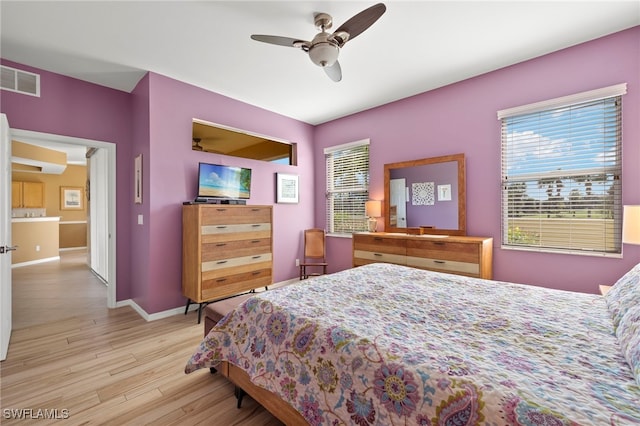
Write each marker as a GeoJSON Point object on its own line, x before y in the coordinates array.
{"type": "Point", "coordinates": [385, 344]}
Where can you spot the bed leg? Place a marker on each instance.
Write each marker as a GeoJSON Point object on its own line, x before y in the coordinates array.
{"type": "Point", "coordinates": [212, 370]}
{"type": "Point", "coordinates": [239, 393]}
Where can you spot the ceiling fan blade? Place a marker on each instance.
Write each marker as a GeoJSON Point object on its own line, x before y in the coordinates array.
{"type": "Point", "coordinates": [334, 71]}
{"type": "Point", "coordinates": [362, 21]}
{"type": "Point", "coordinates": [280, 41]}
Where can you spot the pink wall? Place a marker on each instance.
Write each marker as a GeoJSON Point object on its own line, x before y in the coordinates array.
{"type": "Point", "coordinates": [462, 118]}
{"type": "Point", "coordinates": [172, 174]}
{"type": "Point", "coordinates": [75, 108]}
{"type": "Point", "coordinates": [155, 121]}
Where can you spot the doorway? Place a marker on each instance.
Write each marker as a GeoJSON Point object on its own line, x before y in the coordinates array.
{"type": "Point", "coordinates": [101, 204]}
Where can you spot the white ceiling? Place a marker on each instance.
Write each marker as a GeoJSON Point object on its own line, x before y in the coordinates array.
{"type": "Point", "coordinates": [416, 46]}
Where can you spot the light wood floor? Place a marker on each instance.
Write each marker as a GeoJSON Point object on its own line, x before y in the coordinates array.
{"type": "Point", "coordinates": [69, 352]}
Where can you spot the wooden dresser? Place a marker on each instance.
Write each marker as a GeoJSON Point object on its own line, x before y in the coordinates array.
{"type": "Point", "coordinates": [470, 256]}
{"type": "Point", "coordinates": [226, 250]}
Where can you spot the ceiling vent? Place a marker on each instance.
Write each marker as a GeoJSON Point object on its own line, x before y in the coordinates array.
{"type": "Point", "coordinates": [20, 81]}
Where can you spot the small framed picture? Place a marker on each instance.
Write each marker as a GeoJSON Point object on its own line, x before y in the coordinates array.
{"type": "Point", "coordinates": [286, 188]}
{"type": "Point", "coordinates": [71, 198]}
{"type": "Point", "coordinates": [444, 192]}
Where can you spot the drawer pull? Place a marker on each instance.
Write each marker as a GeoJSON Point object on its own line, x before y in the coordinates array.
{"type": "Point", "coordinates": [256, 225]}
{"type": "Point", "coordinates": [442, 262]}
{"type": "Point", "coordinates": [377, 239]}
{"type": "Point", "coordinates": [221, 280]}
{"type": "Point", "coordinates": [221, 226]}
{"type": "Point", "coordinates": [255, 273]}
{"type": "Point", "coordinates": [257, 257]}
{"type": "Point", "coordinates": [377, 254]}
{"type": "Point", "coordinates": [221, 210]}
{"type": "Point", "coordinates": [220, 262]}
{"type": "Point", "coordinates": [255, 241]}
{"type": "Point", "coordinates": [255, 210]}
{"type": "Point", "coordinates": [221, 244]}
{"type": "Point", "coordinates": [438, 243]}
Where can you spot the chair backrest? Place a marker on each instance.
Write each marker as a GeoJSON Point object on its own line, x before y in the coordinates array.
{"type": "Point", "coordinates": [314, 243]}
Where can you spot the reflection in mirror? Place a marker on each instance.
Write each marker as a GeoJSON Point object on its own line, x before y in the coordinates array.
{"type": "Point", "coordinates": [427, 194]}
{"type": "Point", "coordinates": [218, 139]}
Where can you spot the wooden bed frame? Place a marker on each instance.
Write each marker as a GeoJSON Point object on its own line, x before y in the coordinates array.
{"type": "Point", "coordinates": [270, 401]}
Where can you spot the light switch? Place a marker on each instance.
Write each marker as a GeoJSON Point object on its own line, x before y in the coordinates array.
{"type": "Point", "coordinates": [140, 219]}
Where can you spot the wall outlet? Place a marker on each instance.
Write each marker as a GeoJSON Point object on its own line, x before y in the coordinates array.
{"type": "Point", "coordinates": [37, 248]}
{"type": "Point", "coordinates": [297, 262]}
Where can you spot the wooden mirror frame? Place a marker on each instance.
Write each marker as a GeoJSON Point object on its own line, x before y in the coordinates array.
{"type": "Point", "coordinates": [462, 193]}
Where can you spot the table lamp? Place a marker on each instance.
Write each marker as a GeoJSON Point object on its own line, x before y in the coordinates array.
{"type": "Point", "coordinates": [373, 210]}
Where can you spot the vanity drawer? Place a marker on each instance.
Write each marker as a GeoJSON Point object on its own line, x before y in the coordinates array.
{"type": "Point", "coordinates": [444, 250]}
{"type": "Point", "coordinates": [362, 257]}
{"type": "Point", "coordinates": [449, 266]}
{"type": "Point", "coordinates": [378, 244]}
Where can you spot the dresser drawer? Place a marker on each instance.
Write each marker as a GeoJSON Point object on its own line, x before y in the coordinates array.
{"type": "Point", "coordinates": [450, 266]}
{"type": "Point", "coordinates": [236, 248]}
{"type": "Point", "coordinates": [235, 283]}
{"type": "Point", "coordinates": [361, 257]}
{"type": "Point", "coordinates": [230, 215]}
{"type": "Point", "coordinates": [216, 268]}
{"type": "Point", "coordinates": [444, 250]}
{"type": "Point", "coordinates": [376, 244]}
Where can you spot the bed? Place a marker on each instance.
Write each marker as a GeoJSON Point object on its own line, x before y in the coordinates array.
{"type": "Point", "coordinates": [385, 344]}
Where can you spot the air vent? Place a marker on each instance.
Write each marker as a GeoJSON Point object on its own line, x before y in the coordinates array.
{"type": "Point", "coordinates": [20, 81]}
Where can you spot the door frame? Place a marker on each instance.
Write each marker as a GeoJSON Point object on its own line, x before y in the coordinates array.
{"type": "Point", "coordinates": [5, 238]}
{"type": "Point", "coordinates": [29, 136]}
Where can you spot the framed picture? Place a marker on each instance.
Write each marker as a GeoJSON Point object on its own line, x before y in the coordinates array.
{"type": "Point", "coordinates": [444, 192]}
{"type": "Point", "coordinates": [137, 179]}
{"type": "Point", "coordinates": [286, 188]}
{"type": "Point", "coordinates": [71, 198]}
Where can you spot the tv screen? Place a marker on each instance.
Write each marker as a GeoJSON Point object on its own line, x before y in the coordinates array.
{"type": "Point", "coordinates": [217, 181]}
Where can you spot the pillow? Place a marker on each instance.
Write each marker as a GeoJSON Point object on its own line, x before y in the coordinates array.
{"type": "Point", "coordinates": [628, 333]}
{"type": "Point", "coordinates": [624, 294]}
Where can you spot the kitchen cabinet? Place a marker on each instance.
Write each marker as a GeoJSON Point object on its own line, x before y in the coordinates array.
{"type": "Point", "coordinates": [27, 195]}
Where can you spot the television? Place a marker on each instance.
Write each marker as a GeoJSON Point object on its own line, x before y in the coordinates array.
{"type": "Point", "coordinates": [218, 181]}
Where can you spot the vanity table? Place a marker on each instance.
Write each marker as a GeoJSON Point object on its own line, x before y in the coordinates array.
{"type": "Point", "coordinates": [461, 255]}
{"type": "Point", "coordinates": [425, 221]}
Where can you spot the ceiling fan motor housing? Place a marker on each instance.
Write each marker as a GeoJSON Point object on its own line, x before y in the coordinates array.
{"type": "Point", "coordinates": [323, 52]}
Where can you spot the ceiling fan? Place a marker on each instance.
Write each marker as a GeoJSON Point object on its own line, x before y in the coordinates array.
{"type": "Point", "coordinates": [323, 50]}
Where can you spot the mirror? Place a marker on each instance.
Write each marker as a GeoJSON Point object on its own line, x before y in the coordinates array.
{"type": "Point", "coordinates": [426, 196]}
{"type": "Point", "coordinates": [218, 139]}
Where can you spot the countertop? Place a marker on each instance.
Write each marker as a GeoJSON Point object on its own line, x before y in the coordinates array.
{"type": "Point", "coordinates": [36, 219]}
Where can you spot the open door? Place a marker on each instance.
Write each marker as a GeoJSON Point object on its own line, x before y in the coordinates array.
{"type": "Point", "coordinates": [5, 237]}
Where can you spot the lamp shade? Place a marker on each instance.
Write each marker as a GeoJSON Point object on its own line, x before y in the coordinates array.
{"type": "Point", "coordinates": [373, 208]}
{"type": "Point", "coordinates": [631, 225]}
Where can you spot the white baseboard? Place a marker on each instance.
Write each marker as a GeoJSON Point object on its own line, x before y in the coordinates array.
{"type": "Point", "coordinates": [157, 315]}
{"type": "Point", "coordinates": [72, 248]}
{"type": "Point", "coordinates": [35, 262]}
{"type": "Point", "coordinates": [179, 310]}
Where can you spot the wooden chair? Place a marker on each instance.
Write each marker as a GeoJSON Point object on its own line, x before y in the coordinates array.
{"type": "Point", "coordinates": [314, 253]}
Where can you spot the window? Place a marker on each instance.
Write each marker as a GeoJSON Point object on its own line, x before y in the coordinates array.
{"type": "Point", "coordinates": [561, 174]}
{"type": "Point", "coordinates": [347, 187]}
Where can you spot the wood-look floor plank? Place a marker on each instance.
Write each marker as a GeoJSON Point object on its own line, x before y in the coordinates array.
{"type": "Point", "coordinates": [106, 366]}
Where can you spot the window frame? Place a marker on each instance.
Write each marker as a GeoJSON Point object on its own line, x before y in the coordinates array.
{"type": "Point", "coordinates": [330, 208]}
{"type": "Point", "coordinates": [573, 174]}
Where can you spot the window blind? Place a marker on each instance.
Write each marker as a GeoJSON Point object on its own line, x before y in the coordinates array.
{"type": "Point", "coordinates": [561, 177]}
{"type": "Point", "coordinates": [347, 187]}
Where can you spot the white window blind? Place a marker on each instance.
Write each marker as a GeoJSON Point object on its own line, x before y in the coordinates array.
{"type": "Point", "coordinates": [561, 174]}
{"type": "Point", "coordinates": [347, 187]}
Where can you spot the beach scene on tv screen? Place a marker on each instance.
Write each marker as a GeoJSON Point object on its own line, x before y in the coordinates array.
{"type": "Point", "coordinates": [224, 181]}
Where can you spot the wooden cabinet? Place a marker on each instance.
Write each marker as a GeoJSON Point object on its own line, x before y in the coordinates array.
{"type": "Point", "coordinates": [470, 256]}
{"type": "Point", "coordinates": [226, 250]}
{"type": "Point", "coordinates": [29, 195]}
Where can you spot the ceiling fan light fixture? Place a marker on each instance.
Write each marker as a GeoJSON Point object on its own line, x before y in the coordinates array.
{"type": "Point", "coordinates": [324, 54]}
